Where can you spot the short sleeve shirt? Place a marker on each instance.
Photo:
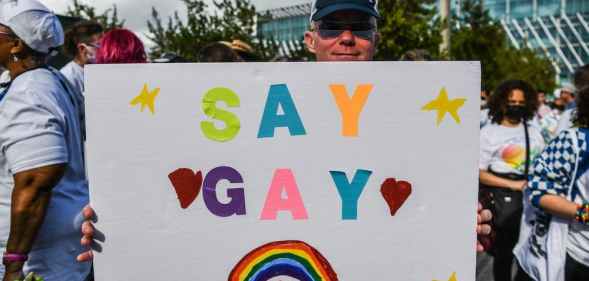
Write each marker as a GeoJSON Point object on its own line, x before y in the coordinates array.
{"type": "Point", "coordinates": [75, 75]}
{"type": "Point", "coordinates": [40, 125]}
{"type": "Point", "coordinates": [503, 149]}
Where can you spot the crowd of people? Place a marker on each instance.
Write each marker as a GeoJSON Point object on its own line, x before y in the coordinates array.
{"type": "Point", "coordinates": [534, 158]}
{"type": "Point", "coordinates": [534, 172]}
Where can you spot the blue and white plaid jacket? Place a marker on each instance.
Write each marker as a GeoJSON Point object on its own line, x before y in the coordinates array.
{"type": "Point", "coordinates": [551, 171]}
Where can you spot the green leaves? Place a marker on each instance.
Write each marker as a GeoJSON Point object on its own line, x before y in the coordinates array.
{"type": "Point", "coordinates": [226, 20]}
{"type": "Point", "coordinates": [108, 18]}
{"type": "Point", "coordinates": [478, 37]}
{"type": "Point", "coordinates": [407, 25]}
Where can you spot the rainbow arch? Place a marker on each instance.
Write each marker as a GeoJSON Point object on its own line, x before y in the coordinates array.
{"type": "Point", "coordinates": [291, 258]}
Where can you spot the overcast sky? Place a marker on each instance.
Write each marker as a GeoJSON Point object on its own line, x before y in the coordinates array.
{"type": "Point", "coordinates": [137, 12]}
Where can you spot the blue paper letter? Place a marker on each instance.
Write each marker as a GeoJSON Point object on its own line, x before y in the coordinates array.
{"type": "Point", "coordinates": [350, 192]}
{"type": "Point", "coordinates": [280, 96]}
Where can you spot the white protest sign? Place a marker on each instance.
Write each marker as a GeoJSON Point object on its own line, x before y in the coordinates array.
{"type": "Point", "coordinates": [285, 171]}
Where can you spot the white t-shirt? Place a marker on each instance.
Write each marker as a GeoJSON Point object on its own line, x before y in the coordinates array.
{"type": "Point", "coordinates": [503, 149]}
{"type": "Point", "coordinates": [75, 75]}
{"type": "Point", "coordinates": [578, 242]}
{"type": "Point", "coordinates": [40, 126]}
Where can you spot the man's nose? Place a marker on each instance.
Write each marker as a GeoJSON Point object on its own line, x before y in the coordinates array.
{"type": "Point", "coordinates": [347, 38]}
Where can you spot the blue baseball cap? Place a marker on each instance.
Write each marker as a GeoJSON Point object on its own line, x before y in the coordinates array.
{"type": "Point", "coordinates": [322, 8]}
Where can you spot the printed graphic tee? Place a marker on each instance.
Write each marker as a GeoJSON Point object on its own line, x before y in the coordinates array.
{"type": "Point", "coordinates": [503, 149]}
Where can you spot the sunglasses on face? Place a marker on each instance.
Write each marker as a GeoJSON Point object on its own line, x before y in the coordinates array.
{"type": "Point", "coordinates": [333, 29]}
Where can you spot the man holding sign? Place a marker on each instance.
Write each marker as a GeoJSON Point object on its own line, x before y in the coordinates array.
{"type": "Point", "coordinates": [342, 30]}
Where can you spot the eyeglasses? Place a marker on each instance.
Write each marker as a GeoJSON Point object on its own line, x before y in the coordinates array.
{"type": "Point", "coordinates": [93, 45]}
{"type": "Point", "coordinates": [333, 29]}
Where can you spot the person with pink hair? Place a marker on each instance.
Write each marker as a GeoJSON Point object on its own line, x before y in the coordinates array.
{"type": "Point", "coordinates": [120, 46]}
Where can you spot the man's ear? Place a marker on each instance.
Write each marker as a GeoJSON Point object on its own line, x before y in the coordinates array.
{"type": "Point", "coordinates": [310, 41]}
{"type": "Point", "coordinates": [81, 48]}
{"type": "Point", "coordinates": [19, 47]}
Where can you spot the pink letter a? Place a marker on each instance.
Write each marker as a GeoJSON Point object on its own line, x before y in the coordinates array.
{"type": "Point", "coordinates": [284, 180]}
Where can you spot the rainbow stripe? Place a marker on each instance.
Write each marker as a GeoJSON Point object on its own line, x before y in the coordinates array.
{"type": "Point", "coordinates": [294, 259]}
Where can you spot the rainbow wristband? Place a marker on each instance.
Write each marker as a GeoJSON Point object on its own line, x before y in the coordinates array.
{"type": "Point", "coordinates": [583, 214]}
{"type": "Point", "coordinates": [13, 257]}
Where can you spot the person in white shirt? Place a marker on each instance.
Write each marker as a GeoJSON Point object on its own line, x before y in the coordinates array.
{"type": "Point", "coordinates": [43, 185]}
{"type": "Point", "coordinates": [81, 42]}
{"type": "Point", "coordinates": [504, 160]}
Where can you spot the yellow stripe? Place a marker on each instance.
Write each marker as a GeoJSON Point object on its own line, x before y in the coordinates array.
{"type": "Point", "coordinates": [297, 252]}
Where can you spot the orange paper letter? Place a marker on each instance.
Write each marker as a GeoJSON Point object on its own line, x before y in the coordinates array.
{"type": "Point", "coordinates": [350, 108]}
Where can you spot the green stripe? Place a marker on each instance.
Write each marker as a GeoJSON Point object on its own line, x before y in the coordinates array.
{"type": "Point", "coordinates": [271, 258]}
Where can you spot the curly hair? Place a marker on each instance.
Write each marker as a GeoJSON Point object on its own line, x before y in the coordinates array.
{"type": "Point", "coordinates": [81, 32]}
{"type": "Point", "coordinates": [581, 116]}
{"type": "Point", "coordinates": [121, 46]}
{"type": "Point", "coordinates": [499, 99]}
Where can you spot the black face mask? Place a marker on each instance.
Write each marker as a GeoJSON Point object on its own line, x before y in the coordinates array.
{"type": "Point", "coordinates": [515, 112]}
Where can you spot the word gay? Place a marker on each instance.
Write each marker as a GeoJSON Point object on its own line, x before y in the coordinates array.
{"type": "Point", "coordinates": [187, 185]}
{"type": "Point", "coordinates": [279, 97]}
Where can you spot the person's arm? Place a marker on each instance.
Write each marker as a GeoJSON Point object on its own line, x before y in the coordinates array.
{"type": "Point", "coordinates": [551, 176]}
{"type": "Point", "coordinates": [30, 198]}
{"type": "Point", "coordinates": [558, 206]}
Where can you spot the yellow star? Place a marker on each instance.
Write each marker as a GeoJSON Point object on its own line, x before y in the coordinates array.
{"type": "Point", "coordinates": [146, 98]}
{"type": "Point", "coordinates": [452, 278]}
{"type": "Point", "coordinates": [443, 106]}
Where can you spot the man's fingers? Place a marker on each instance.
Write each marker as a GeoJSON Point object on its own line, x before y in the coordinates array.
{"type": "Point", "coordinates": [85, 256]}
{"type": "Point", "coordinates": [480, 247]}
{"type": "Point", "coordinates": [486, 215]}
{"type": "Point", "coordinates": [89, 214]}
{"type": "Point", "coordinates": [88, 229]}
{"type": "Point", "coordinates": [483, 229]}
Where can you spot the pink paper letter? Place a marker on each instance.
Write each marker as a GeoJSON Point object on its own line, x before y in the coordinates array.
{"type": "Point", "coordinates": [284, 180]}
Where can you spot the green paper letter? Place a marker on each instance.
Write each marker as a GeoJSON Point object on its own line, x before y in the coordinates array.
{"type": "Point", "coordinates": [209, 106]}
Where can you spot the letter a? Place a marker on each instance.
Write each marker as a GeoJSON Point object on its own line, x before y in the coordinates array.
{"type": "Point", "coordinates": [280, 96]}
{"type": "Point", "coordinates": [284, 181]}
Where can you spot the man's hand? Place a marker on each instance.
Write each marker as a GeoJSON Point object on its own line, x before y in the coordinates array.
{"type": "Point", "coordinates": [90, 235]}
{"type": "Point", "coordinates": [483, 228]}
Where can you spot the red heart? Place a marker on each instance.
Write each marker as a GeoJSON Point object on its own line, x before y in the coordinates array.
{"type": "Point", "coordinates": [395, 193]}
{"type": "Point", "coordinates": [187, 185]}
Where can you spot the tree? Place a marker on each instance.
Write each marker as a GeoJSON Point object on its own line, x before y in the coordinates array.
{"type": "Point", "coordinates": [230, 19]}
{"type": "Point", "coordinates": [108, 18]}
{"type": "Point", "coordinates": [478, 37]}
{"type": "Point", "coordinates": [407, 25]}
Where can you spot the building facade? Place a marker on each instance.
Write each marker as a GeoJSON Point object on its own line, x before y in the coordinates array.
{"type": "Point", "coordinates": [284, 24]}
{"type": "Point", "coordinates": [558, 29]}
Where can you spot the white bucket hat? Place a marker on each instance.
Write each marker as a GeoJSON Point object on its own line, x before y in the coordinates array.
{"type": "Point", "coordinates": [33, 23]}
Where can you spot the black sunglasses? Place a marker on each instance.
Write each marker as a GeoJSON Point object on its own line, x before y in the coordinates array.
{"type": "Point", "coordinates": [333, 29]}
